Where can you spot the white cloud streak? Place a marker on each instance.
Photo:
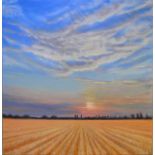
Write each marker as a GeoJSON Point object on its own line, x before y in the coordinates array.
{"type": "Point", "coordinates": [84, 51]}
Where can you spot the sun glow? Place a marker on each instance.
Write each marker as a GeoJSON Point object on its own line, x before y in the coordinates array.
{"type": "Point", "coordinates": [90, 105]}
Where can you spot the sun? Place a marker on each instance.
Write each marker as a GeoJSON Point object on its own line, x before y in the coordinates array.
{"type": "Point", "coordinates": [90, 104]}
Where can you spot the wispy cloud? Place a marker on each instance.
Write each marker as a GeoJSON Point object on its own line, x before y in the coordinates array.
{"type": "Point", "coordinates": [133, 83]}
{"type": "Point", "coordinates": [91, 39]}
{"type": "Point", "coordinates": [11, 8]}
{"type": "Point", "coordinates": [98, 97]}
{"type": "Point", "coordinates": [35, 109]}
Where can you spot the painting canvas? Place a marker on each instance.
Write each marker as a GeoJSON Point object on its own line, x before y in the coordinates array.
{"type": "Point", "coordinates": [77, 77]}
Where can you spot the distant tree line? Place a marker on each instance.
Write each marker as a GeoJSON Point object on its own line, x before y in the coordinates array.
{"type": "Point", "coordinates": [80, 117]}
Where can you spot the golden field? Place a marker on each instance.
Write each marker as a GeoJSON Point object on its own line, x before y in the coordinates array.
{"type": "Point", "coordinates": [77, 137]}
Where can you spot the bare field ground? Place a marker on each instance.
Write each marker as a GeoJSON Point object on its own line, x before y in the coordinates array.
{"type": "Point", "coordinates": [77, 137]}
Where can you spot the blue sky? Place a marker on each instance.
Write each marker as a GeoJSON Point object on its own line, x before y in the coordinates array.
{"type": "Point", "coordinates": [64, 51]}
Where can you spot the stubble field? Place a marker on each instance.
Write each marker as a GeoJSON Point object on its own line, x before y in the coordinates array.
{"type": "Point", "coordinates": [77, 137]}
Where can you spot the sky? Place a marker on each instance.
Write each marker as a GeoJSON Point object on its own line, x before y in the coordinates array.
{"type": "Point", "coordinates": [64, 57]}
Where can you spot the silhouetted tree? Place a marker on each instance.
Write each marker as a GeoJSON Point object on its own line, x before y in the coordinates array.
{"type": "Point", "coordinates": [44, 117]}
{"type": "Point", "coordinates": [4, 115]}
{"type": "Point", "coordinates": [26, 116]}
{"type": "Point", "coordinates": [10, 115]}
{"type": "Point", "coordinates": [147, 116]}
{"type": "Point", "coordinates": [106, 117]}
{"type": "Point", "coordinates": [125, 117]}
{"type": "Point", "coordinates": [53, 117]}
{"type": "Point", "coordinates": [81, 116]}
{"type": "Point", "coordinates": [137, 116]}
{"type": "Point", "coordinates": [16, 116]}
{"type": "Point", "coordinates": [132, 116]}
{"type": "Point", "coordinates": [140, 115]}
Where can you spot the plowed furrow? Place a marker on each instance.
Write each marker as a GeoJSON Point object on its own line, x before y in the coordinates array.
{"type": "Point", "coordinates": [29, 143]}
{"type": "Point", "coordinates": [54, 143]}
{"type": "Point", "coordinates": [28, 134]}
{"type": "Point", "coordinates": [119, 142]}
{"type": "Point", "coordinates": [60, 148]}
{"type": "Point", "coordinates": [96, 144]}
{"type": "Point", "coordinates": [77, 137]}
{"type": "Point", "coordinates": [112, 147]}
{"type": "Point", "coordinates": [73, 146]}
{"type": "Point", "coordinates": [70, 142]}
{"type": "Point", "coordinates": [134, 139]}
